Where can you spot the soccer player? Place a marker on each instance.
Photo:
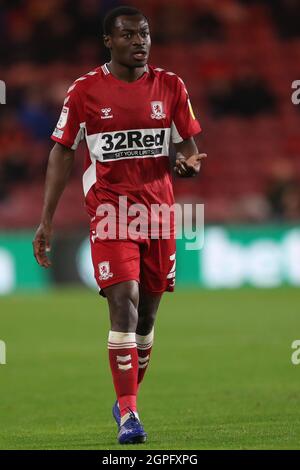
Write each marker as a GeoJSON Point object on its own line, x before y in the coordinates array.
{"type": "Point", "coordinates": [127, 112]}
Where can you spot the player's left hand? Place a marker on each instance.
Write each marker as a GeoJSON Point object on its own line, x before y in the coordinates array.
{"type": "Point", "coordinates": [187, 167]}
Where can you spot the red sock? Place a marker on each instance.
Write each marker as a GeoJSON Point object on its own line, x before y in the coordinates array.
{"type": "Point", "coordinates": [144, 347]}
{"type": "Point", "coordinates": [123, 360]}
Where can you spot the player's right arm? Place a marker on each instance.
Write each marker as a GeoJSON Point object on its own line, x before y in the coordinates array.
{"type": "Point", "coordinates": [184, 127]}
{"type": "Point", "coordinates": [68, 133]}
{"type": "Point", "coordinates": [58, 171]}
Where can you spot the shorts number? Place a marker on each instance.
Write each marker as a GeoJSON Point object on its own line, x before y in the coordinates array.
{"type": "Point", "coordinates": [172, 272]}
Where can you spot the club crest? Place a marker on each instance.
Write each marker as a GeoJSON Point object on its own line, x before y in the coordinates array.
{"type": "Point", "coordinates": [157, 110]}
{"type": "Point", "coordinates": [104, 271]}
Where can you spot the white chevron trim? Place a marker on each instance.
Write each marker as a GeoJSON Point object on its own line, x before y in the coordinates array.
{"type": "Point", "coordinates": [142, 366]}
{"type": "Point", "coordinates": [105, 69]}
{"type": "Point", "coordinates": [143, 347]}
{"type": "Point", "coordinates": [143, 359]}
{"type": "Point", "coordinates": [124, 358]}
{"type": "Point", "coordinates": [80, 79]}
{"type": "Point", "coordinates": [125, 367]}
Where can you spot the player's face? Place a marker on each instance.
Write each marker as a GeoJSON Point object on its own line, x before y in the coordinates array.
{"type": "Point", "coordinates": [130, 41]}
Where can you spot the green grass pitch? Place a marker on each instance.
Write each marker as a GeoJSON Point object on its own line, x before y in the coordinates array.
{"type": "Point", "coordinates": [221, 375]}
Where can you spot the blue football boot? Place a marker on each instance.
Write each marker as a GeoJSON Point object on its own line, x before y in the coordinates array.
{"type": "Point", "coordinates": [116, 413]}
{"type": "Point", "coordinates": [132, 432]}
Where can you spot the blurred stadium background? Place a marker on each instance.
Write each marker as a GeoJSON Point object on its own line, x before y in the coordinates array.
{"type": "Point", "coordinates": [238, 59]}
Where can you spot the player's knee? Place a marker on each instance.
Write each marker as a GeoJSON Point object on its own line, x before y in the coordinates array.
{"type": "Point", "coordinates": [123, 301]}
{"type": "Point", "coordinates": [146, 320]}
{"type": "Point", "coordinates": [123, 314]}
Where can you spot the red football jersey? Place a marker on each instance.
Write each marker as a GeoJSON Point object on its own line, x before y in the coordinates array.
{"type": "Point", "coordinates": [127, 128]}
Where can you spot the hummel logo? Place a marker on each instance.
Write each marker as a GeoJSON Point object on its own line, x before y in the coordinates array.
{"type": "Point", "coordinates": [106, 113]}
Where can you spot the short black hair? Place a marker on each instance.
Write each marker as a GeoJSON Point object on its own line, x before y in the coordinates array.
{"type": "Point", "coordinates": [110, 18]}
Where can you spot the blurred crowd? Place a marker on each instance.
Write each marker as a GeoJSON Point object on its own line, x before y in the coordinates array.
{"type": "Point", "coordinates": [238, 58]}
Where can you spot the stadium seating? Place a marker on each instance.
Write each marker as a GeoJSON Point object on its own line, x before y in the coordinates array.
{"type": "Point", "coordinates": [242, 149]}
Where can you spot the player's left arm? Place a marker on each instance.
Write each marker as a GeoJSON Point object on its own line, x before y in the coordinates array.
{"type": "Point", "coordinates": [188, 158]}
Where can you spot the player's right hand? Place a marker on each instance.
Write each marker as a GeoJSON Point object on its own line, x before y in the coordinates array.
{"type": "Point", "coordinates": [187, 167]}
{"type": "Point", "coordinates": [41, 244]}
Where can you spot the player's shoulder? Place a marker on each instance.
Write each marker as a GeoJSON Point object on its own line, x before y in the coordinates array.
{"type": "Point", "coordinates": [165, 76]}
{"type": "Point", "coordinates": [82, 84]}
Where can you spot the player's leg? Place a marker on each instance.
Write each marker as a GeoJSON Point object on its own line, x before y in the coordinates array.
{"type": "Point", "coordinates": [157, 276]}
{"type": "Point", "coordinates": [147, 310]}
{"type": "Point", "coordinates": [123, 301]}
{"type": "Point", "coordinates": [117, 265]}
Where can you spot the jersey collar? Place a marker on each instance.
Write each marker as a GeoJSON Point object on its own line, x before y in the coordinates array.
{"type": "Point", "coordinates": [107, 72]}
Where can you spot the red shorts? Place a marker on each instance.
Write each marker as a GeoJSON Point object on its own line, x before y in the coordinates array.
{"type": "Point", "coordinates": [151, 262]}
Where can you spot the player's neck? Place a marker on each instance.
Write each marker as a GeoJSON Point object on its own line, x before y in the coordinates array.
{"type": "Point", "coordinates": [124, 73]}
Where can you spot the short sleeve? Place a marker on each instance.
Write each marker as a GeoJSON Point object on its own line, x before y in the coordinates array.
{"type": "Point", "coordinates": [69, 129]}
{"type": "Point", "coordinates": [184, 123]}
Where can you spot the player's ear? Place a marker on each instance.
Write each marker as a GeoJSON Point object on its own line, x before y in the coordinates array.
{"type": "Point", "coordinates": [107, 41]}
